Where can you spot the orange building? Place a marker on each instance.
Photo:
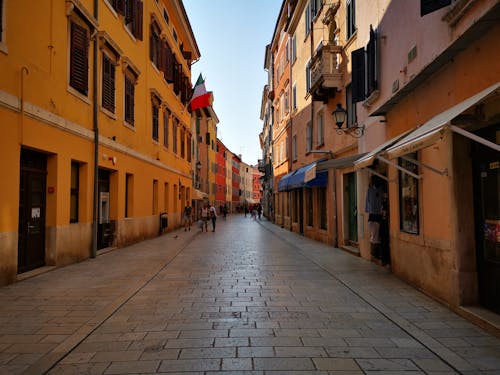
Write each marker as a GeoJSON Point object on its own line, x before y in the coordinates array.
{"type": "Point", "coordinates": [93, 107]}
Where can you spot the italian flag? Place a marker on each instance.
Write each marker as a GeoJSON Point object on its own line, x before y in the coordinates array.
{"type": "Point", "coordinates": [201, 98]}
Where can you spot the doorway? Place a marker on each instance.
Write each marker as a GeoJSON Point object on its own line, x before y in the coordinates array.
{"type": "Point", "coordinates": [32, 198]}
{"type": "Point", "coordinates": [486, 182]}
{"type": "Point", "coordinates": [105, 230]}
{"type": "Point", "coordinates": [351, 205]}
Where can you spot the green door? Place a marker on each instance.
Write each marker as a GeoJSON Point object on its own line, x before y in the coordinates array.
{"type": "Point", "coordinates": [352, 208]}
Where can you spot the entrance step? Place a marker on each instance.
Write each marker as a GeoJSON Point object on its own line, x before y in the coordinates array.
{"type": "Point", "coordinates": [351, 249]}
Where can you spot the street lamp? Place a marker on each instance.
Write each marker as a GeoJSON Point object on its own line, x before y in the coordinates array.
{"type": "Point", "coordinates": [339, 116]}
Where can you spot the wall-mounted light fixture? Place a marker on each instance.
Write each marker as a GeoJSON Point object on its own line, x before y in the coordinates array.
{"type": "Point", "coordinates": [340, 115]}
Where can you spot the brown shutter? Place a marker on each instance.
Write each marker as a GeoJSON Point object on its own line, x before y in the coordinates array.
{"type": "Point", "coordinates": [79, 58]}
{"type": "Point", "coordinates": [130, 10]}
{"type": "Point", "coordinates": [120, 6]}
{"type": "Point", "coordinates": [169, 64]}
{"type": "Point", "coordinates": [358, 75]}
{"type": "Point", "coordinates": [129, 100]}
{"type": "Point", "coordinates": [108, 84]}
{"type": "Point", "coordinates": [138, 19]}
{"type": "Point", "coordinates": [371, 63]}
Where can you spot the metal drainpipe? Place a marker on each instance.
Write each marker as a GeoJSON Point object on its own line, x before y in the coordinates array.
{"type": "Point", "coordinates": [93, 251]}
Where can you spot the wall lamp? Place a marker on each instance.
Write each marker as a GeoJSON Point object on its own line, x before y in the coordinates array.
{"type": "Point", "coordinates": [340, 115]}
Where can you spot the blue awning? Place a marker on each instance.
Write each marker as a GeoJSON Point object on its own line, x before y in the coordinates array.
{"type": "Point", "coordinates": [306, 176]}
{"type": "Point", "coordinates": [283, 182]}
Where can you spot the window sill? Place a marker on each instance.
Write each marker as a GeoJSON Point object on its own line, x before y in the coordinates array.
{"type": "Point", "coordinates": [3, 48]}
{"type": "Point", "coordinates": [129, 126]}
{"type": "Point", "coordinates": [78, 95]}
{"type": "Point", "coordinates": [108, 113]}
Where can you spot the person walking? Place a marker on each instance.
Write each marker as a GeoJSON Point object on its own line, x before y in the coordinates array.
{"type": "Point", "coordinates": [204, 217]}
{"type": "Point", "coordinates": [259, 210]}
{"type": "Point", "coordinates": [224, 211]}
{"type": "Point", "coordinates": [187, 217]}
{"type": "Point", "coordinates": [213, 216]}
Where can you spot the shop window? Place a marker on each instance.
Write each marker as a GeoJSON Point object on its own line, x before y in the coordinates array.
{"type": "Point", "coordinates": [408, 196]}
{"type": "Point", "coordinates": [74, 193]}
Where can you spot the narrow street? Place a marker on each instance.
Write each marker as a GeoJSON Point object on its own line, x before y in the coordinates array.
{"type": "Point", "coordinates": [250, 298]}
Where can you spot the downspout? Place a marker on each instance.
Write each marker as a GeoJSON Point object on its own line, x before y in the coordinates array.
{"type": "Point", "coordinates": [93, 251]}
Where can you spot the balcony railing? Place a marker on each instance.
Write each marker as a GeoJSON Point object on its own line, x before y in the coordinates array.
{"type": "Point", "coordinates": [326, 76]}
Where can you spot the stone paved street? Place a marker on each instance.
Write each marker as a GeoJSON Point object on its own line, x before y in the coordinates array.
{"type": "Point", "coordinates": [250, 298]}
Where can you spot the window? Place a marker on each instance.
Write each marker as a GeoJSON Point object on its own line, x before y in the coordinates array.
{"type": "Point", "coordinates": [166, 116]}
{"type": "Point", "coordinates": [166, 197]}
{"type": "Point", "coordinates": [165, 16]}
{"type": "Point", "coordinates": [319, 128]}
{"type": "Point", "coordinates": [155, 106]}
{"type": "Point", "coordinates": [132, 11]}
{"type": "Point", "coordinates": [322, 207]}
{"type": "Point", "coordinates": [129, 188]}
{"type": "Point", "coordinates": [183, 142]}
{"type": "Point", "coordinates": [3, 46]}
{"type": "Point", "coordinates": [130, 98]}
{"type": "Point", "coordinates": [286, 147]}
{"type": "Point", "coordinates": [365, 69]}
{"type": "Point", "coordinates": [294, 97]}
{"type": "Point", "coordinates": [155, 197]}
{"type": "Point", "coordinates": [188, 143]}
{"type": "Point", "coordinates": [294, 147]}
{"type": "Point", "coordinates": [351, 107]}
{"type": "Point", "coordinates": [308, 19]}
{"type": "Point", "coordinates": [287, 51]}
{"type": "Point", "coordinates": [309, 133]}
{"type": "Point", "coordinates": [351, 17]}
{"type": "Point", "coordinates": [174, 136]}
{"type": "Point", "coordinates": [74, 193]}
{"type": "Point", "coordinates": [108, 83]}
{"type": "Point", "coordinates": [308, 77]}
{"type": "Point", "coordinates": [154, 45]}
{"type": "Point", "coordinates": [358, 75]}
{"type": "Point", "coordinates": [309, 205]}
{"type": "Point", "coordinates": [408, 196]}
{"type": "Point", "coordinates": [294, 48]}
{"type": "Point", "coordinates": [287, 101]}
{"type": "Point", "coordinates": [79, 58]}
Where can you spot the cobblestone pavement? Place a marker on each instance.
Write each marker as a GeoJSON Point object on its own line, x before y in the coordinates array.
{"type": "Point", "coordinates": [250, 298]}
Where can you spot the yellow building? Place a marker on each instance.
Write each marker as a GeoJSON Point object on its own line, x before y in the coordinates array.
{"type": "Point", "coordinates": [115, 71]}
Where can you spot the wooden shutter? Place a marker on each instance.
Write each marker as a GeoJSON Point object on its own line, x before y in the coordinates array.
{"type": "Point", "coordinates": [371, 62]}
{"type": "Point", "coordinates": [79, 58]}
{"type": "Point", "coordinates": [108, 84]}
{"type": "Point", "coordinates": [429, 6]}
{"type": "Point", "coordinates": [207, 138]}
{"type": "Point", "coordinates": [119, 6]}
{"type": "Point", "coordinates": [138, 19]}
{"type": "Point", "coordinates": [1, 19]}
{"type": "Point", "coordinates": [165, 129]}
{"type": "Point", "coordinates": [169, 64]}
{"type": "Point", "coordinates": [129, 100]}
{"type": "Point", "coordinates": [130, 10]}
{"type": "Point", "coordinates": [358, 75]}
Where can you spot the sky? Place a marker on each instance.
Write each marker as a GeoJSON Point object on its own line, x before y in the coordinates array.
{"type": "Point", "coordinates": [232, 36]}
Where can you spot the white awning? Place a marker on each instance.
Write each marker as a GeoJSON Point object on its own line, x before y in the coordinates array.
{"type": "Point", "coordinates": [368, 159]}
{"type": "Point", "coordinates": [434, 129]}
{"type": "Point", "coordinates": [199, 195]}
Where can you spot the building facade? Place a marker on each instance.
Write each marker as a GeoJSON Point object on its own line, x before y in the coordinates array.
{"type": "Point", "coordinates": [421, 129]}
{"type": "Point", "coordinates": [93, 106]}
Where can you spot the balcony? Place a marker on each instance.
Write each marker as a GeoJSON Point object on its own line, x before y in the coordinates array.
{"type": "Point", "coordinates": [261, 166]}
{"type": "Point", "coordinates": [326, 76]}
